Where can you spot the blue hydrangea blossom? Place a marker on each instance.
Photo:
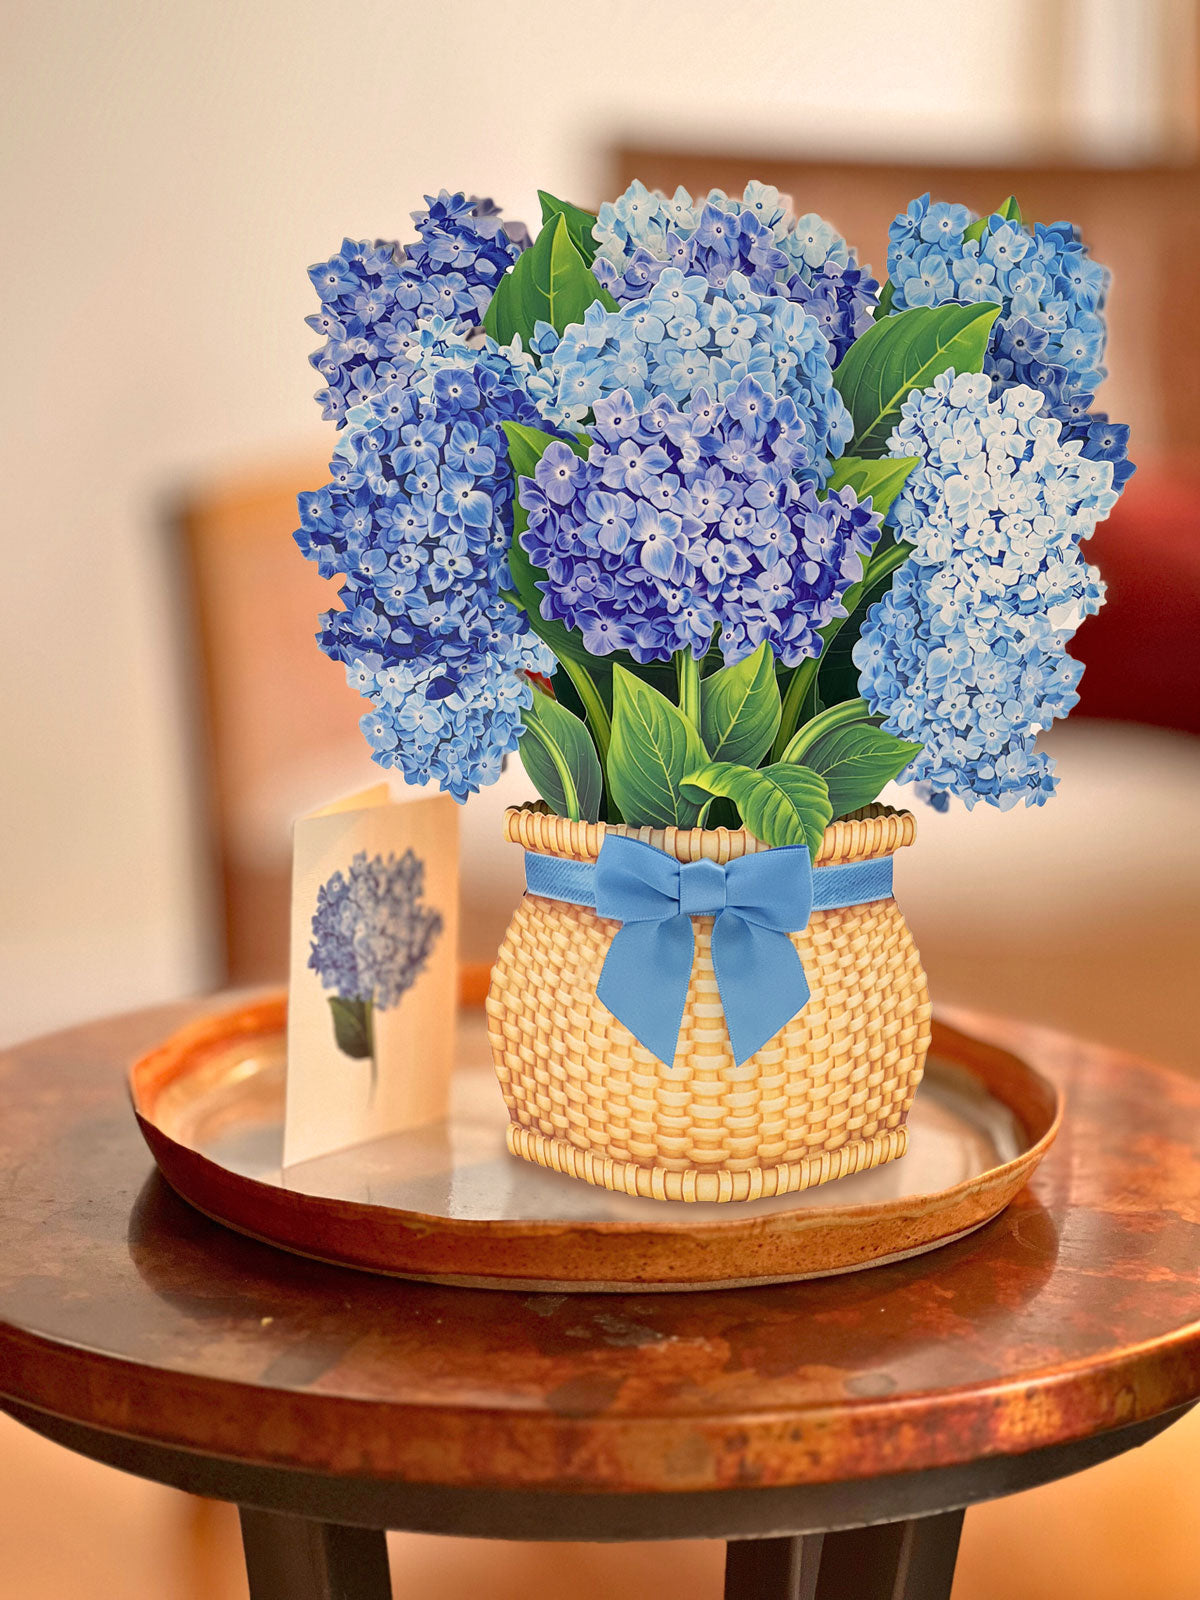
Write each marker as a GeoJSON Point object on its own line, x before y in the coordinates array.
{"type": "Point", "coordinates": [371, 934]}
{"type": "Point", "coordinates": [967, 652]}
{"type": "Point", "coordinates": [684, 337]}
{"type": "Point", "coordinates": [1051, 332]}
{"type": "Point", "coordinates": [417, 520]}
{"type": "Point", "coordinates": [374, 295]}
{"type": "Point", "coordinates": [642, 233]}
{"type": "Point", "coordinates": [688, 521]}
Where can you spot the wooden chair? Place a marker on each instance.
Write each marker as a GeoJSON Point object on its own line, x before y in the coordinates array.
{"type": "Point", "coordinates": [273, 712]}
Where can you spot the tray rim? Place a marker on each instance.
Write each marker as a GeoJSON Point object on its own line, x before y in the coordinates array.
{"type": "Point", "coordinates": [1036, 1103]}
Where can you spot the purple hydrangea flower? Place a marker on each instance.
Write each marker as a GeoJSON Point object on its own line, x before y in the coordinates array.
{"type": "Point", "coordinates": [683, 522]}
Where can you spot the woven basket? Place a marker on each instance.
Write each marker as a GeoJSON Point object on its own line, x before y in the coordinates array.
{"type": "Point", "coordinates": [827, 1096]}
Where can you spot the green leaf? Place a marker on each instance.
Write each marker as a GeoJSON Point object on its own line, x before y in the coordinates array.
{"type": "Point", "coordinates": [579, 223]}
{"type": "Point", "coordinates": [1010, 211]}
{"type": "Point", "coordinates": [352, 1027]}
{"type": "Point", "coordinates": [780, 804]}
{"type": "Point", "coordinates": [882, 478]}
{"type": "Point", "coordinates": [886, 295]}
{"type": "Point", "coordinates": [526, 446]}
{"type": "Point", "coordinates": [837, 676]}
{"type": "Point", "coordinates": [551, 282]}
{"type": "Point", "coordinates": [903, 353]}
{"type": "Point", "coordinates": [590, 677]}
{"type": "Point", "coordinates": [857, 761]}
{"type": "Point", "coordinates": [653, 745]}
{"type": "Point", "coordinates": [566, 643]}
{"type": "Point", "coordinates": [739, 709]}
{"type": "Point", "coordinates": [558, 754]}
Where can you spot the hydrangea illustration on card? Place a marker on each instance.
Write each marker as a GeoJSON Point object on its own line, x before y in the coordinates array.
{"type": "Point", "coordinates": [371, 939]}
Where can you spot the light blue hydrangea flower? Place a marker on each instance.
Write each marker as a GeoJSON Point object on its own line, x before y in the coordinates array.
{"type": "Point", "coordinates": [966, 654]}
{"type": "Point", "coordinates": [417, 521]}
{"type": "Point", "coordinates": [1050, 334]}
{"type": "Point", "coordinates": [641, 219]}
{"type": "Point", "coordinates": [371, 934]}
{"type": "Point", "coordinates": [689, 521]}
{"type": "Point", "coordinates": [684, 337]}
{"type": "Point", "coordinates": [805, 259]}
{"type": "Point", "coordinates": [373, 295]}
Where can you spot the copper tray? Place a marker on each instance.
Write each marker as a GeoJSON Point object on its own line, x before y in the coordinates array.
{"type": "Point", "coordinates": [448, 1203]}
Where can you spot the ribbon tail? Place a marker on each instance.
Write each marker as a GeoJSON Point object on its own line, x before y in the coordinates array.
{"type": "Point", "coordinates": [644, 981]}
{"type": "Point", "coordinates": [761, 979]}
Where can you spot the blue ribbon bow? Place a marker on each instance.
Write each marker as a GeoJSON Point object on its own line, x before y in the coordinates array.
{"type": "Point", "coordinates": [756, 902]}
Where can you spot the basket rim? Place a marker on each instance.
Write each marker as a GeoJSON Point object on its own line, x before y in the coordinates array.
{"type": "Point", "coordinates": [867, 834]}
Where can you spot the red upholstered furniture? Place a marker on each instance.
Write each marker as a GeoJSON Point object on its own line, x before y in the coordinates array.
{"type": "Point", "coordinates": [1141, 651]}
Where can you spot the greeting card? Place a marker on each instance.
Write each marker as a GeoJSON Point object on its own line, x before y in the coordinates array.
{"type": "Point", "coordinates": [373, 982]}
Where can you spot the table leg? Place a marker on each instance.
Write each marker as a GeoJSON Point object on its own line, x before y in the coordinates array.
{"type": "Point", "coordinates": [894, 1561]}
{"type": "Point", "coordinates": [294, 1558]}
{"type": "Point", "coordinates": [773, 1569]}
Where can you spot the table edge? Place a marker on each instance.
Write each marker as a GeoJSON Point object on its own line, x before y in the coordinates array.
{"type": "Point", "coordinates": [784, 1448]}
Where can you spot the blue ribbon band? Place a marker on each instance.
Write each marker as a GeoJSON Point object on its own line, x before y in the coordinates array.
{"type": "Point", "coordinates": [756, 901]}
{"type": "Point", "coordinates": [852, 884]}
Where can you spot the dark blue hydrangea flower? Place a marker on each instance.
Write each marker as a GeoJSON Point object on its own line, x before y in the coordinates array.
{"type": "Point", "coordinates": [1050, 334]}
{"type": "Point", "coordinates": [417, 519]}
{"type": "Point", "coordinates": [805, 259]}
{"type": "Point", "coordinates": [685, 522]}
{"type": "Point", "coordinates": [373, 295]}
{"type": "Point", "coordinates": [841, 298]}
{"type": "Point", "coordinates": [371, 934]}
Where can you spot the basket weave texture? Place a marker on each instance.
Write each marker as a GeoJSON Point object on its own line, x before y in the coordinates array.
{"type": "Point", "coordinates": [827, 1096]}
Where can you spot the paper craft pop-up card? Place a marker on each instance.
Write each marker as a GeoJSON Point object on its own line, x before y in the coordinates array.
{"type": "Point", "coordinates": [723, 536]}
{"type": "Point", "coordinates": [373, 983]}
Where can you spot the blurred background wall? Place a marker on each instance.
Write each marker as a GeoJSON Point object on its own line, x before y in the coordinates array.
{"type": "Point", "coordinates": [170, 171]}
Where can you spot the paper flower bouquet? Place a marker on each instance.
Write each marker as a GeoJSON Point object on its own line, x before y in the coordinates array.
{"type": "Point", "coordinates": [723, 538]}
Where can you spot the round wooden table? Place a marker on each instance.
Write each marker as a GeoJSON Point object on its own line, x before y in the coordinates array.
{"type": "Point", "coordinates": [832, 1431]}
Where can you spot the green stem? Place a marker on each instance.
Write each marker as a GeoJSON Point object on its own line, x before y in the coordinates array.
{"type": "Point", "coordinates": [687, 670]}
{"type": "Point", "coordinates": [369, 1030]}
{"type": "Point", "coordinates": [793, 704]}
{"type": "Point", "coordinates": [570, 793]}
{"type": "Point", "coordinates": [884, 562]}
{"type": "Point", "coordinates": [881, 565]}
{"type": "Point", "coordinates": [594, 708]}
{"type": "Point", "coordinates": [598, 720]}
{"type": "Point", "coordinates": [593, 705]}
{"type": "Point", "coordinates": [824, 722]}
